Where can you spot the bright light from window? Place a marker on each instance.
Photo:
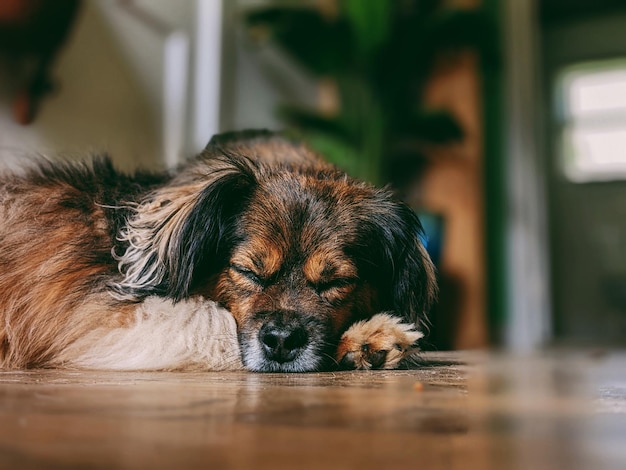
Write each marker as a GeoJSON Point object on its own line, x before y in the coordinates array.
{"type": "Point", "coordinates": [593, 121]}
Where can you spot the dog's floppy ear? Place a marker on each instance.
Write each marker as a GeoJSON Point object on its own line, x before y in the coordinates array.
{"type": "Point", "coordinates": [184, 227]}
{"type": "Point", "coordinates": [399, 261]}
{"type": "Point", "coordinates": [414, 285]}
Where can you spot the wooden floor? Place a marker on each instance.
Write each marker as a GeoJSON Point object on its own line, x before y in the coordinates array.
{"type": "Point", "coordinates": [459, 411]}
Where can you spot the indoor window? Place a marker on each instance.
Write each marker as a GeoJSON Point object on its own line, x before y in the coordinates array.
{"type": "Point", "coordinates": [592, 116]}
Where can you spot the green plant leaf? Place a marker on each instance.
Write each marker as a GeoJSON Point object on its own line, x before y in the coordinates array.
{"type": "Point", "coordinates": [462, 29]}
{"type": "Point", "coordinates": [432, 126]}
{"type": "Point", "coordinates": [370, 22]}
{"type": "Point", "coordinates": [337, 151]}
{"type": "Point", "coordinates": [321, 45]}
{"type": "Point", "coordinates": [310, 120]}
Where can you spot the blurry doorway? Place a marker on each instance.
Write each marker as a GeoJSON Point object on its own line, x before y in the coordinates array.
{"type": "Point", "coordinates": [583, 45]}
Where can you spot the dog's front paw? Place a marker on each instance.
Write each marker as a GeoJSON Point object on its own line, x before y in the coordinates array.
{"type": "Point", "coordinates": [378, 343]}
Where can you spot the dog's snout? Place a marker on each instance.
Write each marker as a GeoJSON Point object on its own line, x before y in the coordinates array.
{"type": "Point", "coordinates": [282, 342]}
{"type": "Point", "coordinates": [285, 341]}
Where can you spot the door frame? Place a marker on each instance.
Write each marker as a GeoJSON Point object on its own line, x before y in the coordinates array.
{"type": "Point", "coordinates": [528, 322]}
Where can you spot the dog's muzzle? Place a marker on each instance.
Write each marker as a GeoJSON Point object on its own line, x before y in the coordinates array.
{"type": "Point", "coordinates": [282, 341]}
{"type": "Point", "coordinates": [285, 341]}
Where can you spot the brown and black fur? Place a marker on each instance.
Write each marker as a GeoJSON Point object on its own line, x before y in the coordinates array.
{"type": "Point", "coordinates": [291, 246]}
{"type": "Point", "coordinates": [57, 229]}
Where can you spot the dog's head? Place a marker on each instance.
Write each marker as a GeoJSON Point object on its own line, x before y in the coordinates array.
{"type": "Point", "coordinates": [294, 248]}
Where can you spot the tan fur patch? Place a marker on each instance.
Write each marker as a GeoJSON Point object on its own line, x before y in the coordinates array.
{"type": "Point", "coordinates": [327, 264]}
{"type": "Point", "coordinates": [380, 334]}
{"type": "Point", "coordinates": [262, 258]}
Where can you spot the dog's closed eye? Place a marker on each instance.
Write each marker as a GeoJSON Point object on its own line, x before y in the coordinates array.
{"type": "Point", "coordinates": [335, 290]}
{"type": "Point", "coordinates": [249, 274]}
{"type": "Point", "coordinates": [344, 283]}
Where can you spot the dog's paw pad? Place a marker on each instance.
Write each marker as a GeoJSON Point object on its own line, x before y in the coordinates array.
{"type": "Point", "coordinates": [377, 359]}
{"type": "Point", "coordinates": [378, 343]}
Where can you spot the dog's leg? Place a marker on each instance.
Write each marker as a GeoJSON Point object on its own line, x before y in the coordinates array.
{"type": "Point", "coordinates": [378, 343]}
{"type": "Point", "coordinates": [194, 334]}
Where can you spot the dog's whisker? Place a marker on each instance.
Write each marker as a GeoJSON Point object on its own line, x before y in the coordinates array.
{"type": "Point", "coordinates": [332, 358]}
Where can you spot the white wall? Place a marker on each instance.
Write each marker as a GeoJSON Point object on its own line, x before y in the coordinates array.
{"type": "Point", "coordinates": [154, 37]}
{"type": "Point", "coordinates": [99, 105]}
{"type": "Point", "coordinates": [258, 77]}
{"type": "Point", "coordinates": [122, 93]}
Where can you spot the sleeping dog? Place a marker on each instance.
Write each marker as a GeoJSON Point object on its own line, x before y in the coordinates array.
{"type": "Point", "coordinates": [254, 254]}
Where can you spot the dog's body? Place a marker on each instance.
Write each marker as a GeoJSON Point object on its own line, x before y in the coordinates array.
{"type": "Point", "coordinates": [104, 270]}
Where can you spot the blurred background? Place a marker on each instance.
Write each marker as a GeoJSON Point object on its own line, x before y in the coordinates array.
{"type": "Point", "coordinates": [501, 122]}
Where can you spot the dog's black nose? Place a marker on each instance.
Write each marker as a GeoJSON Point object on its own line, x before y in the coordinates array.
{"type": "Point", "coordinates": [282, 342]}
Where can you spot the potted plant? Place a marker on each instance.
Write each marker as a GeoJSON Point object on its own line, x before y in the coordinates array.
{"type": "Point", "coordinates": [378, 55]}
